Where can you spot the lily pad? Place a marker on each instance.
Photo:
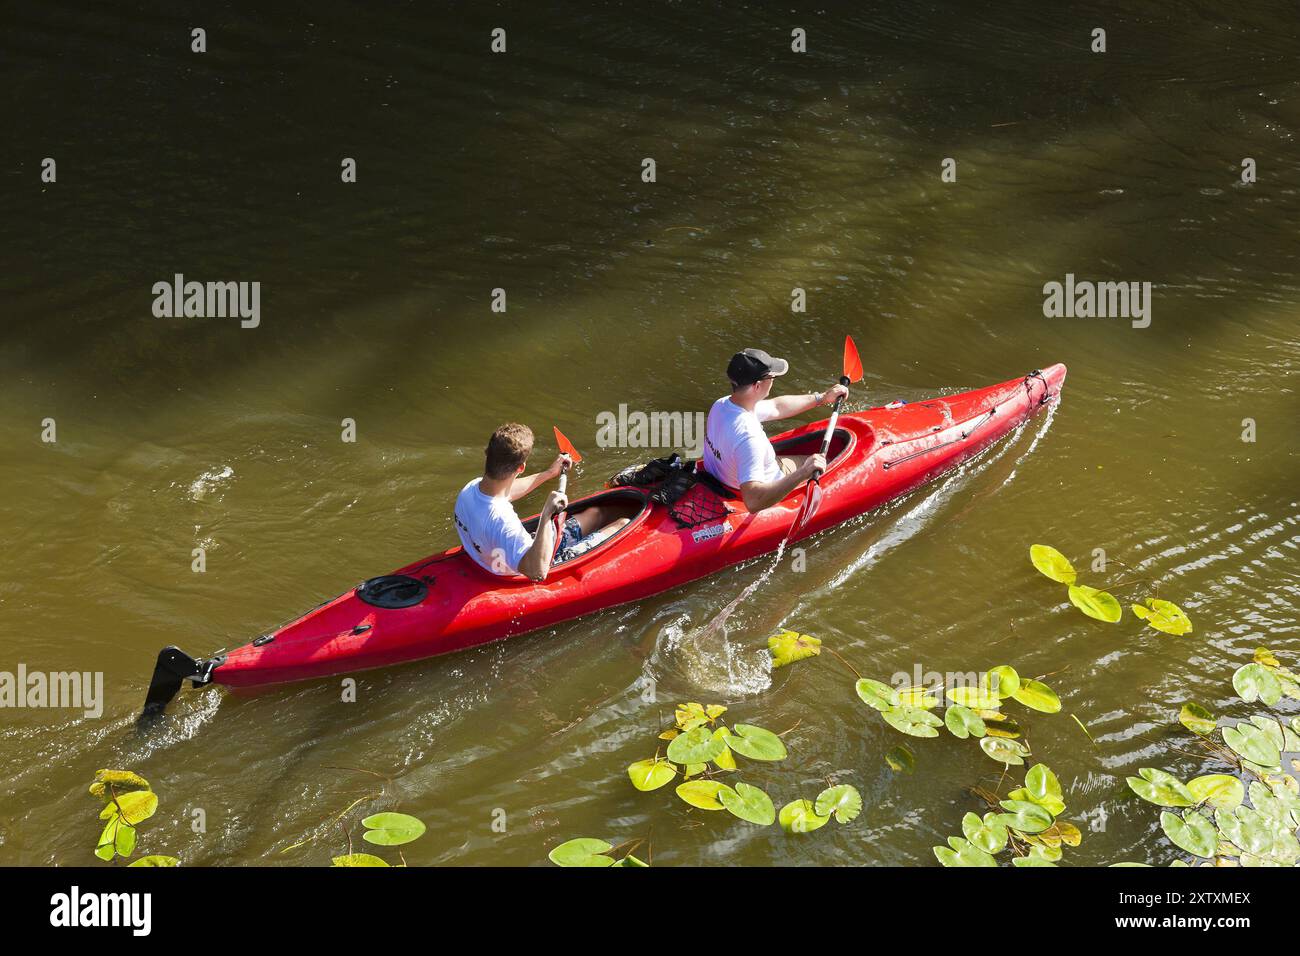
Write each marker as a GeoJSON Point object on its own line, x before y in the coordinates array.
{"type": "Point", "coordinates": [976, 698]}
{"type": "Point", "coordinates": [1024, 816]}
{"type": "Point", "coordinates": [790, 646]}
{"type": "Point", "coordinates": [690, 716]}
{"type": "Point", "coordinates": [1002, 680]}
{"type": "Point", "coordinates": [748, 803]}
{"type": "Point", "coordinates": [1044, 789]}
{"type": "Point", "coordinates": [1253, 744]}
{"type": "Point", "coordinates": [1052, 563]}
{"type": "Point", "coordinates": [1095, 603]}
{"type": "Point", "coordinates": [756, 743]}
{"type": "Point", "coordinates": [702, 793]}
{"type": "Point", "coordinates": [651, 774]}
{"type": "Point", "coordinates": [1005, 751]}
{"type": "Point", "coordinates": [917, 697]}
{"type": "Point", "coordinates": [961, 852]}
{"type": "Point", "coordinates": [724, 760]}
{"type": "Point", "coordinates": [876, 694]}
{"type": "Point", "coordinates": [1191, 832]}
{"type": "Point", "coordinates": [350, 859]}
{"type": "Point", "coordinates": [1196, 718]}
{"type": "Point", "coordinates": [912, 721]}
{"type": "Point", "coordinates": [989, 833]}
{"type": "Point", "coordinates": [1266, 657]}
{"type": "Point", "coordinates": [843, 801]}
{"type": "Point", "coordinates": [962, 722]}
{"type": "Point", "coordinates": [1219, 790]}
{"type": "Point", "coordinates": [136, 806]}
{"type": "Point", "coordinates": [157, 860]}
{"type": "Point", "coordinates": [1161, 788]}
{"type": "Point", "coordinates": [391, 829]}
{"type": "Point", "coordinates": [800, 816]}
{"type": "Point", "coordinates": [582, 852]}
{"type": "Point", "coordinates": [1164, 616]}
{"type": "Point", "coordinates": [1256, 682]}
{"type": "Point", "coordinates": [1037, 696]}
{"type": "Point", "coordinates": [697, 745]}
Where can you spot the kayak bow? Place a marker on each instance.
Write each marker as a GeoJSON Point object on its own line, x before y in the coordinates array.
{"type": "Point", "coordinates": [447, 603]}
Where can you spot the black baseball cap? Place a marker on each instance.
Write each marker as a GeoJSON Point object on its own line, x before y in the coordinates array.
{"type": "Point", "coordinates": [747, 367]}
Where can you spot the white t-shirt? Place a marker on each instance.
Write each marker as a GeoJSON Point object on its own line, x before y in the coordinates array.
{"type": "Point", "coordinates": [490, 530]}
{"type": "Point", "coordinates": [736, 449]}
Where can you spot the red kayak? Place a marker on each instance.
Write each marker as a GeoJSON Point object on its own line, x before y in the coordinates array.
{"type": "Point", "coordinates": [447, 602]}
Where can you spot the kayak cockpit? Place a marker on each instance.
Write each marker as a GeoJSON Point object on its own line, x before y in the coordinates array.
{"type": "Point", "coordinates": [629, 503]}
{"type": "Point", "coordinates": [810, 443]}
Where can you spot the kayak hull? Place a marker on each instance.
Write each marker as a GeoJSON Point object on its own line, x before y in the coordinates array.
{"type": "Point", "coordinates": [879, 455]}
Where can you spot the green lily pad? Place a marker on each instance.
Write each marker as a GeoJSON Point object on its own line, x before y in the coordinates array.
{"type": "Point", "coordinates": [1042, 787]}
{"type": "Point", "coordinates": [1256, 682]}
{"type": "Point", "coordinates": [583, 851]}
{"type": "Point", "coordinates": [724, 760]}
{"type": "Point", "coordinates": [756, 743]}
{"type": "Point", "coordinates": [697, 745]}
{"type": "Point", "coordinates": [1253, 744]}
{"type": "Point", "coordinates": [843, 801]}
{"type": "Point", "coordinates": [917, 697]}
{"type": "Point", "coordinates": [790, 646]}
{"type": "Point", "coordinates": [1052, 563]}
{"type": "Point", "coordinates": [1031, 860]}
{"type": "Point", "coordinates": [702, 793]}
{"type": "Point", "coordinates": [912, 721]}
{"type": "Point", "coordinates": [391, 829]}
{"type": "Point", "coordinates": [1219, 790]}
{"type": "Point", "coordinates": [1162, 789]}
{"type": "Point", "coordinates": [136, 806]}
{"type": "Point", "coordinates": [961, 852]}
{"type": "Point", "coordinates": [1164, 616]}
{"type": "Point", "coordinates": [962, 722]}
{"type": "Point", "coordinates": [800, 816]}
{"type": "Point", "coordinates": [988, 834]}
{"type": "Point", "coordinates": [976, 698]}
{"type": "Point", "coordinates": [1003, 681]}
{"type": "Point", "coordinates": [1096, 604]}
{"type": "Point", "coordinates": [1037, 696]}
{"type": "Point", "coordinates": [118, 780]}
{"type": "Point", "coordinates": [651, 774]}
{"type": "Point", "coordinates": [631, 861]}
{"type": "Point", "coordinates": [350, 859]}
{"type": "Point", "coordinates": [1004, 750]}
{"type": "Point", "coordinates": [876, 694]}
{"type": "Point", "coordinates": [1024, 816]}
{"type": "Point", "coordinates": [748, 803]}
{"type": "Point", "coordinates": [1191, 832]}
{"type": "Point", "coordinates": [1197, 719]}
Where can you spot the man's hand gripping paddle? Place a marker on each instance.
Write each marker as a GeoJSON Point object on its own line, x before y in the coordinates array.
{"type": "Point", "coordinates": [566, 448]}
{"type": "Point", "coordinates": [813, 490]}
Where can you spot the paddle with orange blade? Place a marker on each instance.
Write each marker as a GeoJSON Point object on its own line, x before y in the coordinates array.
{"type": "Point", "coordinates": [566, 447]}
{"type": "Point", "coordinates": [813, 490]}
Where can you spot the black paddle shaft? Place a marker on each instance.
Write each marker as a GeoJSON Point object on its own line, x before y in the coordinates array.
{"type": "Point", "coordinates": [835, 413]}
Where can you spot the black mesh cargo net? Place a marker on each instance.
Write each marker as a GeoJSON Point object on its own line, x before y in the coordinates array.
{"type": "Point", "coordinates": [698, 506]}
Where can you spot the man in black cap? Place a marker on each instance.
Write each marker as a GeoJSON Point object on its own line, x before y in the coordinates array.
{"type": "Point", "coordinates": [736, 449]}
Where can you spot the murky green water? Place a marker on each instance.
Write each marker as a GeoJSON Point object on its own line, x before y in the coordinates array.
{"type": "Point", "coordinates": [522, 172]}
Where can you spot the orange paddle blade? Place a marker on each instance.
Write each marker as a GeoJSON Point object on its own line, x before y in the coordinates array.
{"type": "Point", "coordinates": [852, 364]}
{"type": "Point", "coordinates": [566, 446]}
